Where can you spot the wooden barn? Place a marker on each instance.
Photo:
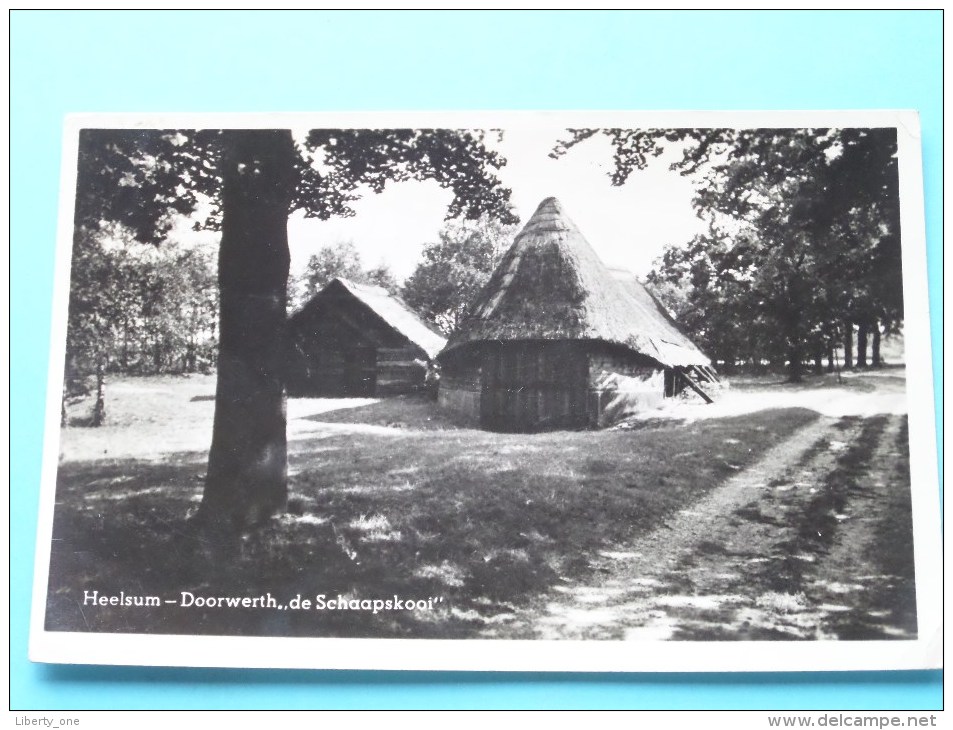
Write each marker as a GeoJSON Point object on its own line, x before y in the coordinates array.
{"type": "Point", "coordinates": [354, 340]}
{"type": "Point", "coordinates": [557, 340]}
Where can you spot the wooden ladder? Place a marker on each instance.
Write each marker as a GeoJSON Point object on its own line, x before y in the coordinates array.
{"type": "Point", "coordinates": [710, 375]}
{"type": "Point", "coordinates": [701, 373]}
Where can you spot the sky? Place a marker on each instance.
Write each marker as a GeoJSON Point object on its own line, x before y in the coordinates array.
{"type": "Point", "coordinates": [628, 226]}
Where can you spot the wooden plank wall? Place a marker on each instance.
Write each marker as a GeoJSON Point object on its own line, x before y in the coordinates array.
{"type": "Point", "coordinates": [460, 390]}
{"type": "Point", "coordinates": [339, 351]}
{"type": "Point", "coordinates": [526, 386]}
{"type": "Point", "coordinates": [533, 386]}
{"type": "Point", "coordinates": [399, 370]}
{"type": "Point", "coordinates": [622, 383]}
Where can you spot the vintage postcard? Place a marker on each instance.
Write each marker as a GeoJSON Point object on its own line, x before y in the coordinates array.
{"type": "Point", "coordinates": [491, 391]}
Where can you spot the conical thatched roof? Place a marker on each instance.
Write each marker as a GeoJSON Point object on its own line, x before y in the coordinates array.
{"type": "Point", "coordinates": [551, 285]}
{"type": "Point", "coordinates": [667, 334]}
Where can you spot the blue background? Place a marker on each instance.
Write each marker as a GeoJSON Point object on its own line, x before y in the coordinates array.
{"type": "Point", "coordinates": [136, 61]}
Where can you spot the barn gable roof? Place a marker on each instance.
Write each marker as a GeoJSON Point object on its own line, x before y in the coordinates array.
{"type": "Point", "coordinates": [393, 310]}
{"type": "Point", "coordinates": [551, 284]}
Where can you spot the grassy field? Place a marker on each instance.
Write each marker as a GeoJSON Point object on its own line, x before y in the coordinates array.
{"type": "Point", "coordinates": [388, 498]}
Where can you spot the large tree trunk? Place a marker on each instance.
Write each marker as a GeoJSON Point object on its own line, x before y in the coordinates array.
{"type": "Point", "coordinates": [247, 477]}
{"type": "Point", "coordinates": [875, 347]}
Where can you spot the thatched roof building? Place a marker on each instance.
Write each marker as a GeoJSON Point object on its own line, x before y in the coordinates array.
{"type": "Point", "coordinates": [555, 339]}
{"type": "Point", "coordinates": [358, 340]}
{"type": "Point", "coordinates": [658, 330]}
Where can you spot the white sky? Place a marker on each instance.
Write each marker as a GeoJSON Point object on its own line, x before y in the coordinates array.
{"type": "Point", "coordinates": [628, 226]}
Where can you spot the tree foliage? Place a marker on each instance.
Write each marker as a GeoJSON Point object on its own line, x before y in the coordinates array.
{"type": "Point", "coordinates": [339, 260]}
{"type": "Point", "coordinates": [339, 165]}
{"type": "Point", "coordinates": [141, 179]}
{"type": "Point", "coordinates": [455, 267]}
{"type": "Point", "coordinates": [803, 242]}
{"type": "Point", "coordinates": [136, 309]}
{"type": "Point", "coordinates": [252, 180]}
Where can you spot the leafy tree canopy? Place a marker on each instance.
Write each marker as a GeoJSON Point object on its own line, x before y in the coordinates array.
{"type": "Point", "coordinates": [143, 178]}
{"type": "Point", "coordinates": [455, 267]}
{"type": "Point", "coordinates": [803, 238]}
{"type": "Point", "coordinates": [343, 260]}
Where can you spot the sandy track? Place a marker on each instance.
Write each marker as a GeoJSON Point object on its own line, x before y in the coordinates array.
{"type": "Point", "coordinates": [865, 583]}
{"type": "Point", "coordinates": [745, 562]}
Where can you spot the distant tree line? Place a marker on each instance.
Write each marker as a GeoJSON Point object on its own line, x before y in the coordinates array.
{"type": "Point", "coordinates": [137, 309]}
{"type": "Point", "coordinates": [801, 259]}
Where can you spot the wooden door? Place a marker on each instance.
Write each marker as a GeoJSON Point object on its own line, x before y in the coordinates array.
{"type": "Point", "coordinates": [534, 386]}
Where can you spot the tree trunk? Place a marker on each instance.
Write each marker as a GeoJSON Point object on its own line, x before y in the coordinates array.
{"type": "Point", "coordinates": [862, 345]}
{"type": "Point", "coordinates": [795, 371]}
{"type": "Point", "coordinates": [795, 358]}
{"type": "Point", "coordinates": [796, 345]}
{"type": "Point", "coordinates": [124, 357]}
{"type": "Point", "coordinates": [99, 409]}
{"type": "Point", "coordinates": [848, 346]}
{"type": "Point", "coordinates": [247, 477]}
{"type": "Point", "coordinates": [830, 358]}
{"type": "Point", "coordinates": [188, 362]}
{"type": "Point", "coordinates": [875, 348]}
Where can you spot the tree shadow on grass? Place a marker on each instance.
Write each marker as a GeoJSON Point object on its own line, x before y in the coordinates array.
{"type": "Point", "coordinates": [121, 530]}
{"type": "Point", "coordinates": [485, 524]}
{"type": "Point", "coordinates": [415, 411]}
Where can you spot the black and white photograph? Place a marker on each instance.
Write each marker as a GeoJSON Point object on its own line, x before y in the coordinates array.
{"type": "Point", "coordinates": [560, 390]}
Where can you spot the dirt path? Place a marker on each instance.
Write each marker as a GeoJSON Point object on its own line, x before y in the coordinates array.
{"type": "Point", "coordinates": [865, 582]}
{"type": "Point", "coordinates": [791, 548]}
